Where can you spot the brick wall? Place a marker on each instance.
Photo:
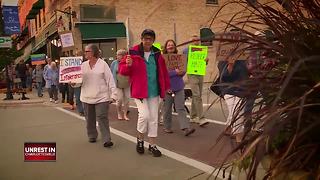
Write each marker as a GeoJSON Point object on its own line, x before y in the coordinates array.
{"type": "Point", "coordinates": [161, 15]}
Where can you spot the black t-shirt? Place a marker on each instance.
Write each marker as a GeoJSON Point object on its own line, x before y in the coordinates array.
{"type": "Point", "coordinates": [22, 69]}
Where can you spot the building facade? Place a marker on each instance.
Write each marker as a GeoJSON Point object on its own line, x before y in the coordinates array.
{"type": "Point", "coordinates": [114, 24]}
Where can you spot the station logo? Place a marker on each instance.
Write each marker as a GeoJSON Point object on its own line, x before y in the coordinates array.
{"type": "Point", "coordinates": [35, 151]}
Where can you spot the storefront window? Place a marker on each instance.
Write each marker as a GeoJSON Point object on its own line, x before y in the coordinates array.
{"type": "Point", "coordinates": [108, 48]}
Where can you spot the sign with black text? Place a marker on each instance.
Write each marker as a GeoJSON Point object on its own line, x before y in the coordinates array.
{"type": "Point", "coordinates": [175, 61]}
{"type": "Point", "coordinates": [70, 70]}
{"type": "Point", "coordinates": [228, 51]}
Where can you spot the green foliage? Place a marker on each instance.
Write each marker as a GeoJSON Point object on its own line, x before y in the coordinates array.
{"type": "Point", "coordinates": [8, 55]}
{"type": "Point", "coordinates": [289, 92]}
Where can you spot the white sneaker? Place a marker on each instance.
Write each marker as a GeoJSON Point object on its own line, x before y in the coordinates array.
{"type": "Point", "coordinates": [56, 102]}
{"type": "Point", "coordinates": [203, 122]}
{"type": "Point", "coordinates": [51, 100]}
{"type": "Point", "coordinates": [194, 120]}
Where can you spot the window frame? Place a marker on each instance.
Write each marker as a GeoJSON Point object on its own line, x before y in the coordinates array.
{"type": "Point", "coordinates": [212, 2]}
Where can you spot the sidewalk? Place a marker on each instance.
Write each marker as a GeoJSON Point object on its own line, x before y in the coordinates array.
{"type": "Point", "coordinates": [33, 100]}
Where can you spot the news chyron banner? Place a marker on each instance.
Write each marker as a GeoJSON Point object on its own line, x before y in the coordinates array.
{"type": "Point", "coordinates": [40, 151]}
{"type": "Point", "coordinates": [70, 70]}
{"type": "Point", "coordinates": [196, 60]}
{"type": "Point", "coordinates": [37, 59]}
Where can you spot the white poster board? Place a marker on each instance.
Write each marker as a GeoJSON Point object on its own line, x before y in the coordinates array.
{"type": "Point", "coordinates": [70, 70]}
{"type": "Point", "coordinates": [67, 39]}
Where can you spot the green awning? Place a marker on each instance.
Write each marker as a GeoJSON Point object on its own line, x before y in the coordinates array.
{"type": "Point", "coordinates": [31, 16]}
{"type": "Point", "coordinates": [90, 31]}
{"type": "Point", "coordinates": [35, 9]}
{"type": "Point", "coordinates": [39, 45]}
{"type": "Point", "coordinates": [33, 13]}
{"type": "Point", "coordinates": [25, 31]}
{"type": "Point", "coordinates": [38, 5]}
{"type": "Point", "coordinates": [206, 34]}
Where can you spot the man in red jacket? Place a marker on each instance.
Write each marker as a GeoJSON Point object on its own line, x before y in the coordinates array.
{"type": "Point", "coordinates": [149, 79]}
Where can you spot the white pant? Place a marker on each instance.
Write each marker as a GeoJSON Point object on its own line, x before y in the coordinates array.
{"type": "Point", "coordinates": [148, 116]}
{"type": "Point", "coordinates": [233, 104]}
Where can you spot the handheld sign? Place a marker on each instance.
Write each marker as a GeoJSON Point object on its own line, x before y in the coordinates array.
{"type": "Point", "coordinates": [157, 45]}
{"type": "Point", "coordinates": [70, 70]}
{"type": "Point", "coordinates": [175, 61]}
{"type": "Point", "coordinates": [196, 60]}
{"type": "Point", "coordinates": [227, 51]}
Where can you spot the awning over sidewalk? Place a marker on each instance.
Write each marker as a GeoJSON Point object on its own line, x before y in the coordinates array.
{"type": "Point", "coordinates": [35, 9]}
{"type": "Point", "coordinates": [90, 30]}
{"type": "Point", "coordinates": [26, 53]}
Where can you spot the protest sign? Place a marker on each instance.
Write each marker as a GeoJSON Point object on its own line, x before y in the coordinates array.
{"type": "Point", "coordinates": [175, 61]}
{"type": "Point", "coordinates": [231, 50]}
{"type": "Point", "coordinates": [70, 69]}
{"type": "Point", "coordinates": [196, 60]}
{"type": "Point", "coordinates": [157, 45]}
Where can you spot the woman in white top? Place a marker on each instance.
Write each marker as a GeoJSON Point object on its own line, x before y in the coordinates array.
{"type": "Point", "coordinates": [97, 92]}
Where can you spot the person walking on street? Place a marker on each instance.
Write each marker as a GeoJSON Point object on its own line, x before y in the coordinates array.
{"type": "Point", "coordinates": [64, 90]}
{"type": "Point", "coordinates": [21, 70]}
{"type": "Point", "coordinates": [71, 96]}
{"type": "Point", "coordinates": [196, 84]}
{"type": "Point", "coordinates": [29, 77]}
{"type": "Point", "coordinates": [47, 85]}
{"type": "Point", "coordinates": [10, 76]}
{"type": "Point", "coordinates": [97, 92]}
{"type": "Point", "coordinates": [77, 91]}
{"type": "Point", "coordinates": [122, 84]}
{"type": "Point", "coordinates": [176, 96]}
{"type": "Point", "coordinates": [52, 78]}
{"type": "Point", "coordinates": [37, 75]}
{"type": "Point", "coordinates": [149, 79]}
{"type": "Point", "coordinates": [234, 73]}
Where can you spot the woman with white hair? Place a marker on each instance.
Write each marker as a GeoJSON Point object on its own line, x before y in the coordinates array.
{"type": "Point", "coordinates": [122, 84]}
{"type": "Point", "coordinates": [52, 79]}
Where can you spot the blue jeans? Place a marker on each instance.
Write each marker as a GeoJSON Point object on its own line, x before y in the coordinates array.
{"type": "Point", "coordinates": [39, 88]}
{"type": "Point", "coordinates": [29, 82]}
{"type": "Point", "coordinates": [77, 92]}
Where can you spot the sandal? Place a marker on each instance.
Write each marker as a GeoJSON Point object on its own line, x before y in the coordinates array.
{"type": "Point", "coordinates": [126, 118]}
{"type": "Point", "coordinates": [120, 118]}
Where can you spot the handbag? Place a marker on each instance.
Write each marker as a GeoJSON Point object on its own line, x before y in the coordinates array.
{"type": "Point", "coordinates": [215, 88]}
{"type": "Point", "coordinates": [17, 80]}
{"type": "Point", "coordinates": [122, 81]}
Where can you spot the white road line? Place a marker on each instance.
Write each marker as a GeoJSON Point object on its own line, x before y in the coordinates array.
{"type": "Point", "coordinates": [189, 104]}
{"type": "Point", "coordinates": [178, 157]}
